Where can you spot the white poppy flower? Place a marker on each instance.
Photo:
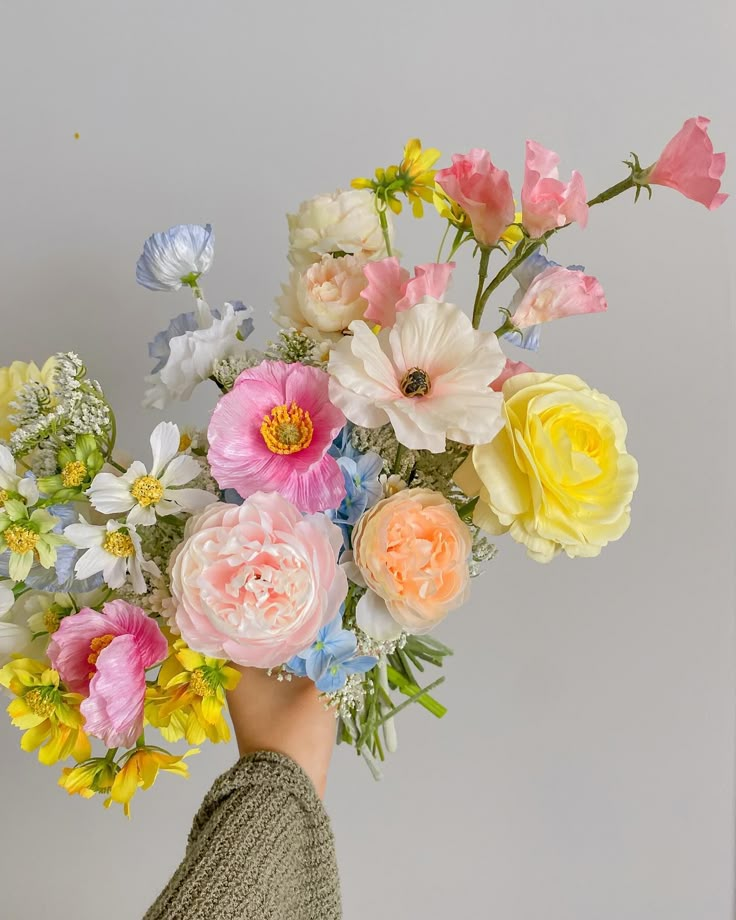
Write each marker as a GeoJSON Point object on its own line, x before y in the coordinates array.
{"type": "Point", "coordinates": [175, 257]}
{"type": "Point", "coordinates": [10, 482]}
{"type": "Point", "coordinates": [113, 549]}
{"type": "Point", "coordinates": [148, 495]}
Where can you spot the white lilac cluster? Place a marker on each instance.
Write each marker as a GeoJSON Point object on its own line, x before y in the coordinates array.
{"type": "Point", "coordinates": [73, 405]}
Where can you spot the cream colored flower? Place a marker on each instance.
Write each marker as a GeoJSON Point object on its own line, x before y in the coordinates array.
{"type": "Point", "coordinates": [12, 378]}
{"type": "Point", "coordinates": [558, 476]}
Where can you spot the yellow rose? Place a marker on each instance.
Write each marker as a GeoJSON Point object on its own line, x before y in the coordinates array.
{"type": "Point", "coordinates": [11, 380]}
{"type": "Point", "coordinates": [557, 476]}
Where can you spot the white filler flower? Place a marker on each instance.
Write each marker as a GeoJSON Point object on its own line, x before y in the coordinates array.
{"type": "Point", "coordinates": [147, 495]}
{"type": "Point", "coordinates": [113, 549]}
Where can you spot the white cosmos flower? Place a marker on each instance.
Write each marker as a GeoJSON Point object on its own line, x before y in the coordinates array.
{"type": "Point", "coordinates": [113, 549]}
{"type": "Point", "coordinates": [148, 495]}
{"type": "Point", "coordinates": [19, 621]}
{"type": "Point", "coordinates": [10, 482]}
{"type": "Point", "coordinates": [175, 257]}
{"type": "Point", "coordinates": [429, 376]}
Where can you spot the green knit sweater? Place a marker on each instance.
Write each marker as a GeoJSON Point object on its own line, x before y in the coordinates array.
{"type": "Point", "coordinates": [260, 848]}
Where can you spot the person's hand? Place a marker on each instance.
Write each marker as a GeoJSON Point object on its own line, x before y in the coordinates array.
{"type": "Point", "coordinates": [284, 716]}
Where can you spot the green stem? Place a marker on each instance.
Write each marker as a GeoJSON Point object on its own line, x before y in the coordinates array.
{"type": "Point", "coordinates": [442, 242]}
{"type": "Point", "coordinates": [413, 698]}
{"type": "Point", "coordinates": [485, 255]}
{"type": "Point", "coordinates": [460, 238]}
{"type": "Point", "coordinates": [110, 756]}
{"type": "Point", "coordinates": [397, 458]}
{"type": "Point", "coordinates": [117, 466]}
{"type": "Point", "coordinates": [384, 226]}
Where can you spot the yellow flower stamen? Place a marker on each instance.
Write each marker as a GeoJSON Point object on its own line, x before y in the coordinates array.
{"type": "Point", "coordinates": [118, 544]}
{"type": "Point", "coordinates": [4, 496]}
{"type": "Point", "coordinates": [73, 474]}
{"type": "Point", "coordinates": [147, 490]}
{"type": "Point", "coordinates": [20, 539]}
{"type": "Point", "coordinates": [185, 442]}
{"type": "Point", "coordinates": [415, 382]}
{"type": "Point", "coordinates": [51, 620]}
{"type": "Point", "coordinates": [201, 683]}
{"type": "Point", "coordinates": [39, 702]}
{"type": "Point", "coordinates": [96, 646]}
{"type": "Point", "coordinates": [287, 430]}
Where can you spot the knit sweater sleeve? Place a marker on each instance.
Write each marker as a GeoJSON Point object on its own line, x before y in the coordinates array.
{"type": "Point", "coordinates": [260, 848]}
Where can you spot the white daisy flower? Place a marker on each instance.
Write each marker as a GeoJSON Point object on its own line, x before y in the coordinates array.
{"type": "Point", "coordinates": [146, 495]}
{"type": "Point", "coordinates": [113, 549]}
{"type": "Point", "coordinates": [12, 485]}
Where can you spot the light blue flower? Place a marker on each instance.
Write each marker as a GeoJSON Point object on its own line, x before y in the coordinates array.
{"type": "Point", "coordinates": [331, 658]}
{"type": "Point", "coordinates": [160, 347]}
{"type": "Point", "coordinates": [175, 257]}
{"type": "Point", "coordinates": [529, 337]}
{"type": "Point", "coordinates": [361, 475]}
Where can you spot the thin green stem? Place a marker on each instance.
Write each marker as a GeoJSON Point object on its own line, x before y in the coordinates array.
{"type": "Point", "coordinates": [384, 226]}
{"type": "Point", "coordinates": [460, 238]}
{"type": "Point", "coordinates": [485, 254]}
{"type": "Point", "coordinates": [412, 699]}
{"type": "Point", "coordinates": [442, 242]}
{"type": "Point", "coordinates": [397, 459]}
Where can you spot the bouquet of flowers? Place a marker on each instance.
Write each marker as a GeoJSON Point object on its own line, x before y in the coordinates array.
{"type": "Point", "coordinates": [343, 495]}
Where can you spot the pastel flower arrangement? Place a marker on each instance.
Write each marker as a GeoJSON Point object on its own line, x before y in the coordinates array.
{"type": "Point", "coordinates": [347, 486]}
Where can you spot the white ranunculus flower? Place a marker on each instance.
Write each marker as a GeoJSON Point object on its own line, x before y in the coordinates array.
{"type": "Point", "coordinates": [113, 549]}
{"type": "Point", "coordinates": [194, 354]}
{"type": "Point", "coordinates": [12, 483]}
{"type": "Point", "coordinates": [175, 257]}
{"type": "Point", "coordinates": [325, 299]}
{"type": "Point", "coordinates": [147, 495]}
{"type": "Point", "coordinates": [344, 222]}
{"type": "Point", "coordinates": [429, 376]}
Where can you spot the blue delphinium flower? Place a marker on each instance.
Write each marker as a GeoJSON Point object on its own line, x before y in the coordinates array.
{"type": "Point", "coordinates": [175, 257]}
{"type": "Point", "coordinates": [160, 347]}
{"type": "Point", "coordinates": [534, 265]}
{"type": "Point", "coordinates": [331, 658]}
{"type": "Point", "coordinates": [361, 474]}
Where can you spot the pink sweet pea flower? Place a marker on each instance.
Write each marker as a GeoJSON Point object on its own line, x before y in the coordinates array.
{"type": "Point", "coordinates": [546, 201]}
{"type": "Point", "coordinates": [688, 165]}
{"type": "Point", "coordinates": [482, 190]}
{"type": "Point", "coordinates": [104, 656]}
{"type": "Point", "coordinates": [390, 289]}
{"type": "Point", "coordinates": [511, 369]}
{"type": "Point", "coordinates": [556, 293]}
{"type": "Point", "coordinates": [271, 433]}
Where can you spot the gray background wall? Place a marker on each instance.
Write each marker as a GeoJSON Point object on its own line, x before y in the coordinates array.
{"type": "Point", "coordinates": [586, 767]}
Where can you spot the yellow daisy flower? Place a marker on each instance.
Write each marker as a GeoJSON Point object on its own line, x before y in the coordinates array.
{"type": "Point", "coordinates": [90, 778]}
{"type": "Point", "coordinates": [48, 715]}
{"type": "Point", "coordinates": [139, 770]}
{"type": "Point", "coordinates": [413, 178]}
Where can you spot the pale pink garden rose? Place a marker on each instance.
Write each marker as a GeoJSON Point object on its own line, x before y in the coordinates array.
{"type": "Point", "coordinates": [322, 301]}
{"type": "Point", "coordinates": [104, 657]}
{"type": "Point", "coordinates": [558, 292]}
{"type": "Point", "coordinates": [255, 582]}
{"type": "Point", "coordinates": [689, 165]}
{"type": "Point", "coordinates": [482, 190]}
{"type": "Point", "coordinates": [412, 550]}
{"type": "Point", "coordinates": [546, 201]}
{"type": "Point", "coordinates": [391, 290]}
{"type": "Point", "coordinates": [511, 369]}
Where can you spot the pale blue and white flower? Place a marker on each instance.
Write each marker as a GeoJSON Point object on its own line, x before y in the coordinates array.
{"type": "Point", "coordinates": [145, 495]}
{"type": "Point", "coordinates": [160, 347]}
{"type": "Point", "coordinates": [361, 474]}
{"type": "Point", "coordinates": [331, 658]}
{"type": "Point", "coordinates": [11, 484]}
{"type": "Point", "coordinates": [177, 256]}
{"type": "Point", "coordinates": [112, 550]}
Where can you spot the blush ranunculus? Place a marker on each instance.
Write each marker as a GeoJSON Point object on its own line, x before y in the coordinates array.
{"type": "Point", "coordinates": [689, 165]}
{"type": "Point", "coordinates": [104, 657]}
{"type": "Point", "coordinates": [412, 549]}
{"type": "Point", "coordinates": [546, 201]}
{"type": "Point", "coordinates": [255, 582]}
{"type": "Point", "coordinates": [511, 369]}
{"type": "Point", "coordinates": [483, 191]}
{"type": "Point", "coordinates": [391, 290]}
{"type": "Point", "coordinates": [558, 292]}
{"type": "Point", "coordinates": [272, 432]}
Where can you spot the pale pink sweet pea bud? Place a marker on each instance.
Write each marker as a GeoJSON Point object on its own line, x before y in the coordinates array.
{"type": "Point", "coordinates": [558, 292]}
{"type": "Point", "coordinates": [482, 190]}
{"type": "Point", "coordinates": [511, 369]}
{"type": "Point", "coordinates": [688, 165]}
{"type": "Point", "coordinates": [546, 201]}
{"type": "Point", "coordinates": [390, 289]}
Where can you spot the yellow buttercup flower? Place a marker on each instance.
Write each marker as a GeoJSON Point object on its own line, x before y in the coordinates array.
{"type": "Point", "coordinates": [558, 476]}
{"type": "Point", "coordinates": [189, 696]}
{"type": "Point", "coordinates": [413, 178]}
{"type": "Point", "coordinates": [48, 715]}
{"type": "Point", "coordinates": [12, 378]}
{"type": "Point", "coordinates": [139, 770]}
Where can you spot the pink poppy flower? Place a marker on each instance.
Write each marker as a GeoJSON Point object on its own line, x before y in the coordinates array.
{"type": "Point", "coordinates": [104, 656]}
{"type": "Point", "coordinates": [482, 190]}
{"type": "Point", "coordinates": [558, 292]}
{"type": "Point", "coordinates": [390, 289]}
{"type": "Point", "coordinates": [511, 369]}
{"type": "Point", "coordinates": [271, 433]}
{"type": "Point", "coordinates": [689, 165]}
{"type": "Point", "coordinates": [546, 201]}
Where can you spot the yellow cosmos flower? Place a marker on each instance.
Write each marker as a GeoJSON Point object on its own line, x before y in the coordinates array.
{"type": "Point", "coordinates": [48, 715]}
{"type": "Point", "coordinates": [413, 178]}
{"type": "Point", "coordinates": [139, 770]}
{"type": "Point", "coordinates": [450, 210]}
{"type": "Point", "coordinates": [12, 378]}
{"type": "Point", "coordinates": [90, 778]}
{"type": "Point", "coordinates": [189, 696]}
{"type": "Point", "coordinates": [558, 476]}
